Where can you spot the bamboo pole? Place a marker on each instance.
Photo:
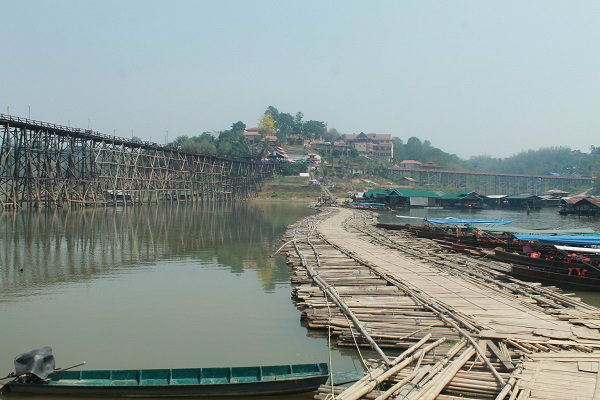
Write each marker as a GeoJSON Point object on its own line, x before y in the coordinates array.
{"type": "Point", "coordinates": [336, 299]}
{"type": "Point", "coordinates": [357, 391]}
{"type": "Point", "coordinates": [436, 310]}
{"type": "Point", "coordinates": [510, 383]}
{"type": "Point", "coordinates": [438, 384]}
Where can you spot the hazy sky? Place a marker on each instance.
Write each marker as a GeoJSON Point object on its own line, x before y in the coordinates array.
{"type": "Point", "coordinates": [473, 77]}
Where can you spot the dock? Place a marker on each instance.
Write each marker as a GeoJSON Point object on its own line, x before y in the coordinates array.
{"type": "Point", "coordinates": [437, 324]}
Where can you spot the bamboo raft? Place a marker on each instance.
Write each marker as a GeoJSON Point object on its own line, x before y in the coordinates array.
{"type": "Point", "coordinates": [441, 325]}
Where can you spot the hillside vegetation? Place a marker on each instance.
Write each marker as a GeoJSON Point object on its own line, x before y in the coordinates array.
{"type": "Point", "coordinates": [544, 161]}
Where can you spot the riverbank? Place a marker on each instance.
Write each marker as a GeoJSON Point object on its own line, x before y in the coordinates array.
{"type": "Point", "coordinates": [298, 188]}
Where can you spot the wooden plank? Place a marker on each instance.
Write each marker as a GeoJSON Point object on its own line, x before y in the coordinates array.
{"type": "Point", "coordinates": [505, 361]}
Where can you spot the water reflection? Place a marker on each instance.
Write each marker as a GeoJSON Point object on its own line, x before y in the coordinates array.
{"type": "Point", "coordinates": [38, 249]}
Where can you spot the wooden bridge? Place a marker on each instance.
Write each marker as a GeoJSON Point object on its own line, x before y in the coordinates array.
{"type": "Point", "coordinates": [490, 182]}
{"type": "Point", "coordinates": [438, 324]}
{"type": "Point", "coordinates": [51, 165]}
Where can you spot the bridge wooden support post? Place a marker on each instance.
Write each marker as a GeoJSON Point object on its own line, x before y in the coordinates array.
{"type": "Point", "coordinates": [55, 166]}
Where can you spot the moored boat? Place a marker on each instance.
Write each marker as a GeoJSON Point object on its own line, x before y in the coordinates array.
{"type": "Point", "coordinates": [557, 277]}
{"type": "Point", "coordinates": [183, 382]}
{"type": "Point", "coordinates": [571, 275]}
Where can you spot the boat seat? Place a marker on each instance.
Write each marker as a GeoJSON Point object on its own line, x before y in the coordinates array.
{"type": "Point", "coordinates": [276, 372]}
{"type": "Point", "coordinates": [155, 377]}
{"type": "Point", "coordinates": [215, 376]}
{"type": "Point", "coordinates": [125, 378]}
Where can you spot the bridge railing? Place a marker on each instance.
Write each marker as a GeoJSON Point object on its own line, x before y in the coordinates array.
{"type": "Point", "coordinates": [99, 136]}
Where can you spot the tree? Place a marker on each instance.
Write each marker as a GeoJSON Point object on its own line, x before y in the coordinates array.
{"type": "Point", "coordinates": [332, 135]}
{"type": "Point", "coordinates": [238, 127]}
{"type": "Point", "coordinates": [299, 124]}
{"type": "Point", "coordinates": [314, 128]}
{"type": "Point", "coordinates": [205, 143]}
{"type": "Point", "coordinates": [266, 125]}
{"type": "Point", "coordinates": [285, 125]}
{"type": "Point", "coordinates": [136, 139]}
{"type": "Point", "coordinates": [290, 168]}
{"type": "Point", "coordinates": [232, 142]}
{"type": "Point", "coordinates": [273, 112]}
{"type": "Point", "coordinates": [595, 154]}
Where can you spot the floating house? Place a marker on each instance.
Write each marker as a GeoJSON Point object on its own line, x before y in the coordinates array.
{"type": "Point", "coordinates": [465, 199]}
{"type": "Point", "coordinates": [402, 197]}
{"type": "Point", "coordinates": [580, 206]}
{"type": "Point", "coordinates": [525, 201]}
{"type": "Point", "coordinates": [407, 181]}
{"type": "Point", "coordinates": [556, 193]}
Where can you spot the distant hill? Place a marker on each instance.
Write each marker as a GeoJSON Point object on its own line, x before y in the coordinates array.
{"type": "Point", "coordinates": [544, 161]}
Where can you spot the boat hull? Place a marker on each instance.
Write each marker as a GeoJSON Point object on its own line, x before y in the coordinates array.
{"type": "Point", "coordinates": [183, 382]}
{"type": "Point", "coordinates": [553, 277]}
{"type": "Point", "coordinates": [224, 390]}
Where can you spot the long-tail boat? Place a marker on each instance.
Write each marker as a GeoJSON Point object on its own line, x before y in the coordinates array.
{"type": "Point", "coordinates": [183, 382]}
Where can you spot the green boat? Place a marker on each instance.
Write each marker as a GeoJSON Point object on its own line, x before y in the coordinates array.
{"type": "Point", "coordinates": [183, 382]}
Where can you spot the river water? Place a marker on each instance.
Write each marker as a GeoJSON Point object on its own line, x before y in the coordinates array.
{"type": "Point", "coordinates": [154, 287]}
{"type": "Point", "coordinates": [170, 286]}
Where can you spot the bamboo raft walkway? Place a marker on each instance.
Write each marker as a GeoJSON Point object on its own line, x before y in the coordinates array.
{"type": "Point", "coordinates": [441, 325]}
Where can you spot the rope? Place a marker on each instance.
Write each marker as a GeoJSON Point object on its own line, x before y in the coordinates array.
{"type": "Point", "coordinates": [358, 348]}
{"type": "Point", "coordinates": [329, 348]}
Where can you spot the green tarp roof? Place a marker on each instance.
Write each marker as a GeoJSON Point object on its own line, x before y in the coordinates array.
{"type": "Point", "coordinates": [411, 193]}
{"type": "Point", "coordinates": [459, 195]}
{"type": "Point", "coordinates": [400, 192]}
{"type": "Point", "coordinates": [375, 193]}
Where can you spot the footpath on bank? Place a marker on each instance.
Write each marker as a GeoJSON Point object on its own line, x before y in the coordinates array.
{"type": "Point", "coordinates": [441, 325]}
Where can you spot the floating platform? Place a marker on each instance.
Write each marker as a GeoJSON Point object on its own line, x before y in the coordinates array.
{"type": "Point", "coordinates": [440, 324]}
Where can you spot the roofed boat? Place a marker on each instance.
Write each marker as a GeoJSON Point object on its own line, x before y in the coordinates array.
{"type": "Point", "coordinates": [182, 382]}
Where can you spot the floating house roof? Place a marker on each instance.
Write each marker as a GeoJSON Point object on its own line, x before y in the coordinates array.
{"type": "Point", "coordinates": [459, 195]}
{"type": "Point", "coordinates": [522, 197]}
{"type": "Point", "coordinates": [402, 192]}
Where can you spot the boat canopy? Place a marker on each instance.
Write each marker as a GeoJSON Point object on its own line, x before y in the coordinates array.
{"type": "Point", "coordinates": [578, 249]}
{"type": "Point", "coordinates": [459, 221]}
{"type": "Point", "coordinates": [585, 240]}
{"type": "Point", "coordinates": [525, 231]}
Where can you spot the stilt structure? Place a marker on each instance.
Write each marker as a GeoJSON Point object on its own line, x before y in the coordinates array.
{"type": "Point", "coordinates": [50, 165]}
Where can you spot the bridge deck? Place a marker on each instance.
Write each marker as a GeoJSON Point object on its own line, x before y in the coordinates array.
{"type": "Point", "coordinates": [553, 339]}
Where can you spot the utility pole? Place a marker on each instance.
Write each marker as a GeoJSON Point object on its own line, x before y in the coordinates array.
{"type": "Point", "coordinates": [29, 107]}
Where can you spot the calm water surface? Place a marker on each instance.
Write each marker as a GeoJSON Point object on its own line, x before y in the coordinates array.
{"type": "Point", "coordinates": [154, 287]}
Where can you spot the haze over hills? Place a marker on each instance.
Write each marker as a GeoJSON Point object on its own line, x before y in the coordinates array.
{"type": "Point", "coordinates": [544, 161]}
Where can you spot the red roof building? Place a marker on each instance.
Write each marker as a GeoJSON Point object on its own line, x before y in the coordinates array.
{"type": "Point", "coordinates": [372, 144]}
{"type": "Point", "coordinates": [252, 135]}
{"type": "Point", "coordinates": [413, 164]}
